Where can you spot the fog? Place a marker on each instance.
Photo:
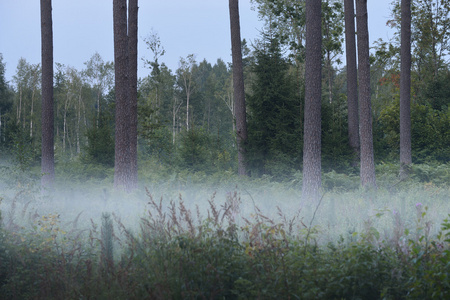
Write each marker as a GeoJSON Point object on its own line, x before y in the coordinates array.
{"type": "Point", "coordinates": [339, 215]}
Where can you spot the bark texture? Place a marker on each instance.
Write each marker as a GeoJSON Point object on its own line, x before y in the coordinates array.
{"type": "Point", "coordinates": [352, 77]}
{"type": "Point", "coordinates": [238, 85]}
{"type": "Point", "coordinates": [133, 64]}
{"type": "Point", "coordinates": [312, 179]}
{"type": "Point", "coordinates": [47, 162]}
{"type": "Point", "coordinates": [367, 171]}
{"type": "Point", "coordinates": [405, 89]}
{"type": "Point", "coordinates": [122, 144]}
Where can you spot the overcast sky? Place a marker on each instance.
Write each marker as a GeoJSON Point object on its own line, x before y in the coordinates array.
{"type": "Point", "coordinates": [83, 27]}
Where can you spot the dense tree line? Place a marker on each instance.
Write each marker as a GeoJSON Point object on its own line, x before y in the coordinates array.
{"type": "Point", "coordinates": [187, 117]}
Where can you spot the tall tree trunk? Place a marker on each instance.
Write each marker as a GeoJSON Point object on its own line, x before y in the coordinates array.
{"type": "Point", "coordinates": [78, 122]}
{"type": "Point", "coordinates": [238, 84]}
{"type": "Point", "coordinates": [405, 89]}
{"type": "Point", "coordinates": [66, 106]}
{"type": "Point", "coordinates": [312, 179]}
{"type": "Point", "coordinates": [133, 61]}
{"type": "Point", "coordinates": [352, 80]}
{"type": "Point", "coordinates": [47, 163]}
{"type": "Point", "coordinates": [122, 144]}
{"type": "Point", "coordinates": [19, 108]}
{"type": "Point", "coordinates": [32, 112]}
{"type": "Point", "coordinates": [367, 171]}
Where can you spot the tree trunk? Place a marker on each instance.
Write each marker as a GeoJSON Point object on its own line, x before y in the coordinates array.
{"type": "Point", "coordinates": [405, 89]}
{"type": "Point", "coordinates": [32, 112]}
{"type": "Point", "coordinates": [122, 143]}
{"type": "Point", "coordinates": [312, 179]}
{"type": "Point", "coordinates": [19, 108]}
{"type": "Point", "coordinates": [238, 85]}
{"type": "Point", "coordinates": [66, 105]}
{"type": "Point", "coordinates": [47, 162]}
{"type": "Point", "coordinates": [78, 122]}
{"type": "Point", "coordinates": [352, 80]}
{"type": "Point", "coordinates": [367, 171]}
{"type": "Point", "coordinates": [133, 62]}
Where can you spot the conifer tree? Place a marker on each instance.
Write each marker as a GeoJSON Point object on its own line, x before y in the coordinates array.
{"type": "Point", "coordinates": [238, 85]}
{"type": "Point", "coordinates": [312, 179]}
{"type": "Point", "coordinates": [405, 89]}
{"type": "Point", "coordinates": [47, 163]}
{"type": "Point", "coordinates": [352, 80]}
{"type": "Point", "coordinates": [367, 171]}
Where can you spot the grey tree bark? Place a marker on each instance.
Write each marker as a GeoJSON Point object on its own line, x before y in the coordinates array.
{"type": "Point", "coordinates": [238, 85]}
{"type": "Point", "coordinates": [47, 162]}
{"type": "Point", "coordinates": [352, 78]}
{"type": "Point", "coordinates": [367, 170]}
{"type": "Point", "coordinates": [312, 179]}
{"type": "Point", "coordinates": [133, 62]}
{"type": "Point", "coordinates": [405, 89]}
{"type": "Point", "coordinates": [122, 144]}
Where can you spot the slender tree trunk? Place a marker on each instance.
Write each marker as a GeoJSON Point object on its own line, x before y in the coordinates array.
{"type": "Point", "coordinates": [122, 144]}
{"type": "Point", "coordinates": [312, 179]}
{"type": "Point", "coordinates": [47, 163]}
{"type": "Point", "coordinates": [352, 80]}
{"type": "Point", "coordinates": [78, 122]}
{"type": "Point", "coordinates": [238, 85]}
{"type": "Point", "coordinates": [98, 106]}
{"type": "Point", "coordinates": [133, 64]}
{"type": "Point", "coordinates": [187, 86]}
{"type": "Point", "coordinates": [32, 112]}
{"type": "Point", "coordinates": [405, 89]}
{"type": "Point", "coordinates": [367, 171]}
{"type": "Point", "coordinates": [66, 105]}
{"type": "Point", "coordinates": [19, 109]}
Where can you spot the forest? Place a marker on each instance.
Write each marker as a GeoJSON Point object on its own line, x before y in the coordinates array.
{"type": "Point", "coordinates": [199, 136]}
{"type": "Point", "coordinates": [189, 144]}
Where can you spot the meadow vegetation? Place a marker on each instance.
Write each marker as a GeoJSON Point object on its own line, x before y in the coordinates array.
{"type": "Point", "coordinates": [192, 235]}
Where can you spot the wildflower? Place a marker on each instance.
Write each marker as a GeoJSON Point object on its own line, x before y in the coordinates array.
{"type": "Point", "coordinates": [419, 205]}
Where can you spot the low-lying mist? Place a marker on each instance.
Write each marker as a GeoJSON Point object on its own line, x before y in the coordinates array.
{"type": "Point", "coordinates": [338, 214]}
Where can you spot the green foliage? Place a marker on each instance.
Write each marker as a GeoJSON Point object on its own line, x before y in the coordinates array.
{"type": "Point", "coordinates": [336, 152]}
{"type": "Point", "coordinates": [274, 118]}
{"type": "Point", "coordinates": [430, 132]}
{"type": "Point", "coordinates": [21, 147]}
{"type": "Point", "coordinates": [194, 150]}
{"type": "Point", "coordinates": [158, 143]}
{"type": "Point", "coordinates": [100, 147]}
{"type": "Point", "coordinates": [437, 92]}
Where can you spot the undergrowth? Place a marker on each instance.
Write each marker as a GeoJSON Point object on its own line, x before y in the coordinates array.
{"type": "Point", "coordinates": [179, 252]}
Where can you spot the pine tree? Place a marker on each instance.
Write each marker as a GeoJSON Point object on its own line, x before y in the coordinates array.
{"type": "Point", "coordinates": [122, 144]}
{"type": "Point", "coordinates": [312, 179]}
{"type": "Point", "coordinates": [405, 89]}
{"type": "Point", "coordinates": [47, 163]}
{"type": "Point", "coordinates": [132, 62]}
{"type": "Point", "coordinates": [352, 80]}
{"type": "Point", "coordinates": [367, 171]}
{"type": "Point", "coordinates": [274, 122]}
{"type": "Point", "coordinates": [238, 85]}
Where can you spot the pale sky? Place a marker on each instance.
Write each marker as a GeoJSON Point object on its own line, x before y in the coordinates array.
{"type": "Point", "coordinates": [83, 27]}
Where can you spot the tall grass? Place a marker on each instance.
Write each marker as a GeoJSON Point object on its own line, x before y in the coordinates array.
{"type": "Point", "coordinates": [240, 242]}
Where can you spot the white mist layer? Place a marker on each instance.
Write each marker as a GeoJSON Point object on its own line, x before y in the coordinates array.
{"type": "Point", "coordinates": [338, 215]}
